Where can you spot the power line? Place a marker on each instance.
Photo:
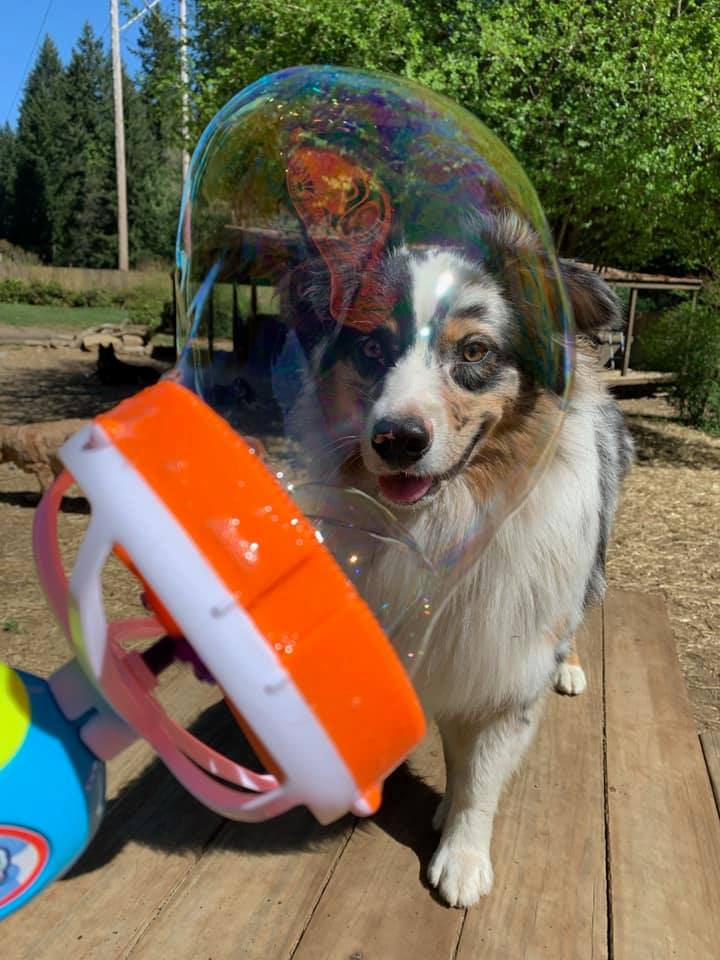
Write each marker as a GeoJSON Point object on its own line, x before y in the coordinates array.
{"type": "Point", "coordinates": [29, 60]}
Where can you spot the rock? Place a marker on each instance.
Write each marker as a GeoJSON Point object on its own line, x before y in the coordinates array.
{"type": "Point", "coordinates": [135, 329]}
{"type": "Point", "coordinates": [92, 340]}
{"type": "Point", "coordinates": [132, 340]}
{"type": "Point", "coordinates": [134, 351]}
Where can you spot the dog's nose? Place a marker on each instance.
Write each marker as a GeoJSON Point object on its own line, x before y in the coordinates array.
{"type": "Point", "coordinates": [401, 442]}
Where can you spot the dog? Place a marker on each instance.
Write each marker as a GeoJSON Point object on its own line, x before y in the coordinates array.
{"type": "Point", "coordinates": [33, 447]}
{"type": "Point", "coordinates": [111, 371]}
{"type": "Point", "coordinates": [440, 423]}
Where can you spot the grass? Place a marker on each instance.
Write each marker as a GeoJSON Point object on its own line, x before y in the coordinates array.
{"type": "Point", "coordinates": [66, 318]}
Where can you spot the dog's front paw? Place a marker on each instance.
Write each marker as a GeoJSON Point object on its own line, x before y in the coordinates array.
{"type": "Point", "coordinates": [570, 679]}
{"type": "Point", "coordinates": [461, 873]}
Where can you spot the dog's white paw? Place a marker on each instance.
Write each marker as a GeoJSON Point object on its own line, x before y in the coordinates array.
{"type": "Point", "coordinates": [461, 874]}
{"type": "Point", "coordinates": [440, 816]}
{"type": "Point", "coordinates": [570, 679]}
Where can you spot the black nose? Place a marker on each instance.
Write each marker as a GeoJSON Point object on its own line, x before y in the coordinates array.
{"type": "Point", "coordinates": [401, 442]}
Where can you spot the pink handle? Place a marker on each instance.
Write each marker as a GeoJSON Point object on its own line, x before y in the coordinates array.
{"type": "Point", "coordinates": [47, 551]}
{"type": "Point", "coordinates": [185, 755]}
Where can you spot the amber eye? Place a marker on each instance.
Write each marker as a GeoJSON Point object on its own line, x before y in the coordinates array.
{"type": "Point", "coordinates": [372, 349]}
{"type": "Point", "coordinates": [472, 351]}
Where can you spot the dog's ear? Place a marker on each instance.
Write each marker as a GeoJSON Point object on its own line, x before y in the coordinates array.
{"type": "Point", "coordinates": [595, 305]}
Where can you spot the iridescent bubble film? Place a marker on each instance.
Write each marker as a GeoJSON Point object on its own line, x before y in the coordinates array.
{"type": "Point", "coordinates": [367, 290]}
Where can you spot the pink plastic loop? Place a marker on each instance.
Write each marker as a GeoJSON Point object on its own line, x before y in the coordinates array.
{"type": "Point", "coordinates": [187, 757]}
{"type": "Point", "coordinates": [48, 560]}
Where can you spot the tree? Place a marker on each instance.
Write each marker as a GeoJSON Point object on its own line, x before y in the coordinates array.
{"type": "Point", "coordinates": [87, 202]}
{"type": "Point", "coordinates": [39, 155]}
{"type": "Point", "coordinates": [153, 117]}
{"type": "Point", "coordinates": [613, 109]}
{"type": "Point", "coordinates": [237, 41]}
{"type": "Point", "coordinates": [8, 166]}
{"type": "Point", "coordinates": [158, 77]}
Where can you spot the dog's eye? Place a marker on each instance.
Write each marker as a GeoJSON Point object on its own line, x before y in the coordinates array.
{"type": "Point", "coordinates": [372, 349]}
{"type": "Point", "coordinates": [472, 351]}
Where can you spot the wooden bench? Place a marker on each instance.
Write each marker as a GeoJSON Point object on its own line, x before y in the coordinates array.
{"type": "Point", "coordinates": [607, 845]}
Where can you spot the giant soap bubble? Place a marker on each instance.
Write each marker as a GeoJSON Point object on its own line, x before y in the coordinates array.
{"type": "Point", "coordinates": [367, 290]}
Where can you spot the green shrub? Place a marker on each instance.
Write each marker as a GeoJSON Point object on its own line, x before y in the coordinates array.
{"type": "Point", "coordinates": [12, 291]}
{"type": "Point", "coordinates": [144, 305]}
{"type": "Point", "coordinates": [687, 342]}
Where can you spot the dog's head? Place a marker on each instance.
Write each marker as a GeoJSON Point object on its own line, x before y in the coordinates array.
{"type": "Point", "coordinates": [450, 387]}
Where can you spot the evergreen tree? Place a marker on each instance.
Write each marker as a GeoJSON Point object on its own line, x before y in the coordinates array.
{"type": "Point", "coordinates": [159, 76]}
{"type": "Point", "coordinates": [153, 131]}
{"type": "Point", "coordinates": [87, 208]}
{"type": "Point", "coordinates": [39, 155]}
{"type": "Point", "coordinates": [8, 164]}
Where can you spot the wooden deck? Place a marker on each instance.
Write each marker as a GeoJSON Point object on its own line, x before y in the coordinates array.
{"type": "Point", "coordinates": [607, 845]}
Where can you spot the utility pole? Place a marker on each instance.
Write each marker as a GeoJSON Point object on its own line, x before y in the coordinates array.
{"type": "Point", "coordinates": [119, 139]}
{"type": "Point", "coordinates": [182, 17]}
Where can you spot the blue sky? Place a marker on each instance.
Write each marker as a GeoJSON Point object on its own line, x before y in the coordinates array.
{"type": "Point", "coordinates": [65, 19]}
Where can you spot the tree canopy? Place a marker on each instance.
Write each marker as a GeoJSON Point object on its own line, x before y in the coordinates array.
{"type": "Point", "coordinates": [613, 109]}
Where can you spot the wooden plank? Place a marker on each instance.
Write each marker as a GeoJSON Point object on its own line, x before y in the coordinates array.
{"type": "Point", "coordinates": [152, 833]}
{"type": "Point", "coordinates": [251, 895]}
{"type": "Point", "coordinates": [664, 832]}
{"type": "Point", "coordinates": [376, 904]}
{"type": "Point", "coordinates": [636, 377]}
{"type": "Point", "coordinates": [710, 743]}
{"type": "Point", "coordinates": [549, 898]}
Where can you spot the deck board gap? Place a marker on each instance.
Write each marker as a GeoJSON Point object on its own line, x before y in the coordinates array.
{"type": "Point", "coordinates": [456, 948]}
{"type": "Point", "coordinates": [606, 795]}
{"type": "Point", "coordinates": [159, 907]}
{"type": "Point", "coordinates": [323, 888]}
{"type": "Point", "coordinates": [706, 745]}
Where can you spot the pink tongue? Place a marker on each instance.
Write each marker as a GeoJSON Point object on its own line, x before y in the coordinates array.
{"type": "Point", "coordinates": [405, 488]}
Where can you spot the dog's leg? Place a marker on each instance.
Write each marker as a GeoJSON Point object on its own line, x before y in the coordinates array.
{"type": "Point", "coordinates": [483, 754]}
{"type": "Point", "coordinates": [438, 821]}
{"type": "Point", "coordinates": [570, 677]}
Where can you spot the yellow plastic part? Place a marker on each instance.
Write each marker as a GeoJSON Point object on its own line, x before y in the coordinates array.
{"type": "Point", "coordinates": [14, 714]}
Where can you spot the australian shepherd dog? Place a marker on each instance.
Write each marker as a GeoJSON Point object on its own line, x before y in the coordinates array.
{"type": "Point", "coordinates": [446, 419]}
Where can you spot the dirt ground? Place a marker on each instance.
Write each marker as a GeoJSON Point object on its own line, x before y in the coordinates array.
{"type": "Point", "coordinates": [665, 538]}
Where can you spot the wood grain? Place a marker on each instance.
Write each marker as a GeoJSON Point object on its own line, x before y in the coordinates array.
{"type": "Point", "coordinates": [664, 830]}
{"type": "Point", "coordinates": [549, 898]}
{"type": "Point", "coordinates": [166, 879]}
{"type": "Point", "coordinates": [376, 904]}
{"type": "Point", "coordinates": [252, 893]}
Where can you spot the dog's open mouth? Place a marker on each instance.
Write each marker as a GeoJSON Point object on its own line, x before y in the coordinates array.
{"type": "Point", "coordinates": [406, 487]}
